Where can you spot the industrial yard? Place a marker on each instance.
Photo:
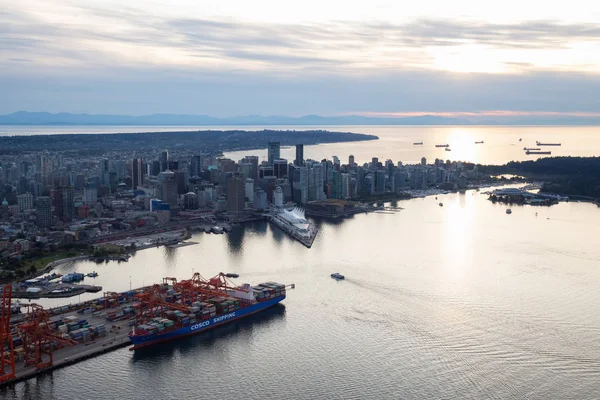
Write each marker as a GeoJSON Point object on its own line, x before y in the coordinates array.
{"type": "Point", "coordinates": [39, 340]}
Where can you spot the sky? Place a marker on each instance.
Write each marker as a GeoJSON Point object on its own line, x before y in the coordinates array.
{"type": "Point", "coordinates": [231, 58]}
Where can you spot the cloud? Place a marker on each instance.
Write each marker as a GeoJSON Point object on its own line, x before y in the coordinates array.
{"type": "Point", "coordinates": [97, 37]}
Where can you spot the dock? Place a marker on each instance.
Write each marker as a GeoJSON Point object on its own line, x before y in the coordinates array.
{"type": "Point", "coordinates": [116, 337]}
{"type": "Point", "coordinates": [57, 290]}
{"type": "Point", "coordinates": [182, 244]}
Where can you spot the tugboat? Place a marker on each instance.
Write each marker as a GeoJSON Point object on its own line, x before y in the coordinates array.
{"type": "Point", "coordinates": [441, 204]}
{"type": "Point", "coordinates": [92, 274]}
{"type": "Point", "coordinates": [338, 276]}
{"type": "Point", "coordinates": [232, 275]}
{"type": "Point", "coordinates": [508, 211]}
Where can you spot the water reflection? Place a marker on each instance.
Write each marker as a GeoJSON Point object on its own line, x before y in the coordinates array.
{"type": "Point", "coordinates": [235, 239]}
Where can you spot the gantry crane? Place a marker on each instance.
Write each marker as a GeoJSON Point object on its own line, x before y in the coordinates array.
{"type": "Point", "coordinates": [39, 338]}
{"type": "Point", "coordinates": [7, 348]}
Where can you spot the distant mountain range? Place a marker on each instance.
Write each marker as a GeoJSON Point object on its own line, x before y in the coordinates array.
{"type": "Point", "coordinates": [44, 118]}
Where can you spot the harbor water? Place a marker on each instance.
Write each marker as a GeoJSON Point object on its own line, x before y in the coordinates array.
{"type": "Point", "coordinates": [457, 302]}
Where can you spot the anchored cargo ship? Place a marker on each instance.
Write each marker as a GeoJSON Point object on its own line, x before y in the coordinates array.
{"type": "Point", "coordinates": [547, 144]}
{"type": "Point", "coordinates": [173, 317]}
{"type": "Point", "coordinates": [442, 145]}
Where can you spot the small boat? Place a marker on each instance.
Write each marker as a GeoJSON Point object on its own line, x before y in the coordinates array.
{"type": "Point", "coordinates": [480, 142]}
{"type": "Point", "coordinates": [508, 211]}
{"type": "Point", "coordinates": [520, 139]}
{"type": "Point", "coordinates": [448, 149]}
{"type": "Point", "coordinates": [441, 204]}
{"type": "Point", "coordinates": [232, 275]}
{"type": "Point", "coordinates": [92, 274]}
{"type": "Point", "coordinates": [337, 276]}
{"type": "Point", "coordinates": [417, 143]}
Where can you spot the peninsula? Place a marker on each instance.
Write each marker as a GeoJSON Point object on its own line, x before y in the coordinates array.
{"type": "Point", "coordinates": [208, 141]}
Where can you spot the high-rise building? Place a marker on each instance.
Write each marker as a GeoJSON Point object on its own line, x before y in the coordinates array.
{"type": "Point", "coordinates": [25, 202]}
{"type": "Point", "coordinates": [104, 171]}
{"type": "Point", "coordinates": [249, 189]}
{"type": "Point", "coordinates": [345, 186]}
{"type": "Point", "coordinates": [164, 159]}
{"type": "Point", "coordinates": [196, 166]}
{"type": "Point", "coordinates": [68, 206]}
{"type": "Point", "coordinates": [137, 173]}
{"type": "Point", "coordinates": [252, 160]}
{"type": "Point", "coordinates": [168, 188]}
{"type": "Point", "coordinates": [299, 155]}
{"type": "Point", "coordinates": [280, 168]}
{"type": "Point", "coordinates": [273, 152]}
{"type": "Point", "coordinates": [351, 160]}
{"type": "Point", "coordinates": [423, 161]}
{"type": "Point", "coordinates": [235, 194]}
{"type": "Point", "coordinates": [44, 211]}
{"type": "Point", "coordinates": [90, 196]}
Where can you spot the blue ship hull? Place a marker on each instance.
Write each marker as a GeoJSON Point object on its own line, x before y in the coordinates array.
{"type": "Point", "coordinates": [202, 326]}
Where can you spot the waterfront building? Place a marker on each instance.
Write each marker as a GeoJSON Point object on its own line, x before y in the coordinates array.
{"type": "Point", "coordinates": [168, 188]}
{"type": "Point", "coordinates": [345, 192]}
{"type": "Point", "coordinates": [44, 212]}
{"type": "Point", "coordinates": [260, 199]}
{"type": "Point", "coordinates": [273, 152]}
{"type": "Point", "coordinates": [249, 189]}
{"type": "Point", "coordinates": [379, 182]}
{"type": "Point", "coordinates": [235, 194]}
{"type": "Point", "coordinates": [278, 197]}
{"type": "Point", "coordinates": [299, 161]}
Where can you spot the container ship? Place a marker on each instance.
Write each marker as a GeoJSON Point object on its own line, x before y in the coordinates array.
{"type": "Point", "coordinates": [547, 144]}
{"type": "Point", "coordinates": [197, 305]}
{"type": "Point", "coordinates": [538, 152]}
{"type": "Point", "coordinates": [442, 145]}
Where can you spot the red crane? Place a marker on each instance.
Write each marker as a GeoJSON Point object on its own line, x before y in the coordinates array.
{"type": "Point", "coordinates": [39, 339]}
{"type": "Point", "coordinates": [7, 358]}
{"type": "Point", "coordinates": [150, 300]}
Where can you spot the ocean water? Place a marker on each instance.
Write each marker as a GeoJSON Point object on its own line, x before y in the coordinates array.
{"type": "Point", "coordinates": [501, 143]}
{"type": "Point", "coordinates": [455, 302]}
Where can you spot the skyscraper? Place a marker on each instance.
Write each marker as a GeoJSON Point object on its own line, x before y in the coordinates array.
{"type": "Point", "coordinates": [299, 155]}
{"type": "Point", "coordinates": [273, 151]}
{"type": "Point", "coordinates": [280, 168]}
{"type": "Point", "coordinates": [164, 159]}
{"type": "Point", "coordinates": [236, 194]}
{"type": "Point", "coordinates": [351, 160]}
{"type": "Point", "coordinates": [137, 173]}
{"type": "Point", "coordinates": [44, 211]}
{"type": "Point", "coordinates": [68, 206]}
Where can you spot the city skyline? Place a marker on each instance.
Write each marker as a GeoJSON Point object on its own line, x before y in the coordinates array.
{"type": "Point", "coordinates": [310, 58]}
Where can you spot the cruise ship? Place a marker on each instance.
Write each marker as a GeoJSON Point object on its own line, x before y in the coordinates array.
{"type": "Point", "coordinates": [294, 222]}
